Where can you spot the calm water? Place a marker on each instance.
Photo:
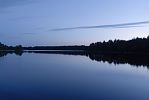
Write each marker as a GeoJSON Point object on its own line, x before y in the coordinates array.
{"type": "Point", "coordinates": [69, 77]}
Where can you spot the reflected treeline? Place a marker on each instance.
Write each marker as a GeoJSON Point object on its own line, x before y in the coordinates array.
{"type": "Point", "coordinates": [115, 58]}
{"type": "Point", "coordinates": [4, 53]}
{"type": "Point", "coordinates": [119, 58]}
{"type": "Point", "coordinates": [64, 52]}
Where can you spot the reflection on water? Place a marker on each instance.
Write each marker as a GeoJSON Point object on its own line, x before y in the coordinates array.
{"type": "Point", "coordinates": [4, 53]}
{"type": "Point", "coordinates": [132, 59]}
{"type": "Point", "coordinates": [57, 75]}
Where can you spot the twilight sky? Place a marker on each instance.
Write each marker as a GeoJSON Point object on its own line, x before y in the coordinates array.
{"type": "Point", "coordinates": [71, 22]}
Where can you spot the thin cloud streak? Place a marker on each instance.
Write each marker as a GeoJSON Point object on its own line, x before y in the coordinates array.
{"type": "Point", "coordinates": [123, 25]}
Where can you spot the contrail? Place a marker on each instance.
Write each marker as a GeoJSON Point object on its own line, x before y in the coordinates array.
{"type": "Point", "coordinates": [122, 25]}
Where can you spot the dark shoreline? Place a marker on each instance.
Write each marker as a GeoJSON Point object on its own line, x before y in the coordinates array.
{"type": "Point", "coordinates": [133, 52]}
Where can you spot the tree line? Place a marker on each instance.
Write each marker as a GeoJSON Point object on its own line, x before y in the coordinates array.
{"type": "Point", "coordinates": [139, 45]}
{"type": "Point", "coordinates": [4, 47]}
{"type": "Point", "coordinates": [133, 45]}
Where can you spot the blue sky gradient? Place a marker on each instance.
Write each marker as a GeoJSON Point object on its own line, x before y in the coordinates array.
{"type": "Point", "coordinates": [29, 22]}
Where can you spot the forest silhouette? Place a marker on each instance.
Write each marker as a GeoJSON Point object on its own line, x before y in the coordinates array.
{"type": "Point", "coordinates": [133, 52]}
{"type": "Point", "coordinates": [136, 45]}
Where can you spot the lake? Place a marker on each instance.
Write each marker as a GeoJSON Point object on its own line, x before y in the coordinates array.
{"type": "Point", "coordinates": [47, 76]}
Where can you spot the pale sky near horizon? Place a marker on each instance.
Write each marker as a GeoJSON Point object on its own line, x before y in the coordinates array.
{"type": "Point", "coordinates": [29, 22]}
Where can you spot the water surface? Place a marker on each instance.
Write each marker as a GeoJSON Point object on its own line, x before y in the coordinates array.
{"type": "Point", "coordinates": [35, 76]}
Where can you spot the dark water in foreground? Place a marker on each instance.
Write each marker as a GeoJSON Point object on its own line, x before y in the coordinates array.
{"type": "Point", "coordinates": [35, 76]}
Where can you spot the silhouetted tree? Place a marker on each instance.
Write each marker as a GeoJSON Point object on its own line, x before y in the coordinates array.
{"type": "Point", "coordinates": [3, 47]}
{"type": "Point", "coordinates": [18, 48]}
